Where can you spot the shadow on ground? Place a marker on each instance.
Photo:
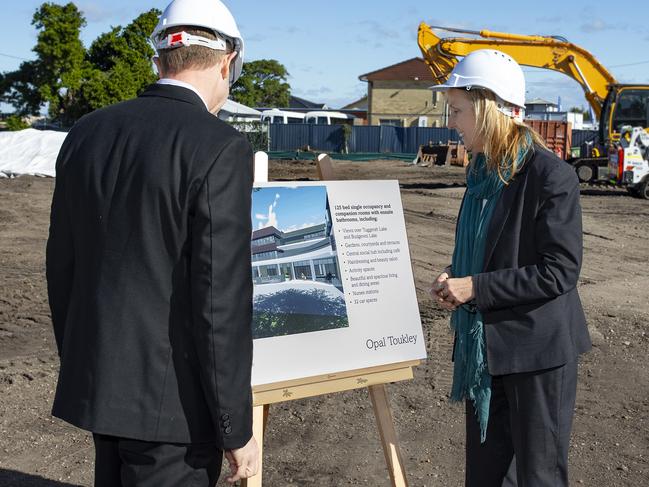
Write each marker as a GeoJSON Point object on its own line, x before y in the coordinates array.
{"type": "Point", "coordinates": [11, 478]}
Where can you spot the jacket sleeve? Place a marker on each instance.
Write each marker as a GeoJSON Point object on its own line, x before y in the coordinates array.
{"type": "Point", "coordinates": [558, 248]}
{"type": "Point", "coordinates": [221, 284]}
{"type": "Point", "coordinates": [59, 256]}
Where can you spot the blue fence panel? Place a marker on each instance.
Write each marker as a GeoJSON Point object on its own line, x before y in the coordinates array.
{"type": "Point", "coordinates": [581, 136]}
{"type": "Point", "coordinates": [292, 136]}
{"type": "Point", "coordinates": [365, 138]}
{"type": "Point", "coordinates": [391, 139]}
{"type": "Point", "coordinates": [328, 138]}
{"type": "Point", "coordinates": [417, 136]}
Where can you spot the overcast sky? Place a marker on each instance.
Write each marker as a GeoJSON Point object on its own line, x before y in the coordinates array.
{"type": "Point", "coordinates": [327, 45]}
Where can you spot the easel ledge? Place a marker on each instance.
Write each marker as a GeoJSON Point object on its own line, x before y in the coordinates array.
{"type": "Point", "coordinates": [329, 383]}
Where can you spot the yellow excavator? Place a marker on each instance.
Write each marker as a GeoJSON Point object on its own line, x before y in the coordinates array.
{"type": "Point", "coordinates": [617, 106]}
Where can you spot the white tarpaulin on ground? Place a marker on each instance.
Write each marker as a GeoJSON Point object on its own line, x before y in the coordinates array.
{"type": "Point", "coordinates": [29, 151]}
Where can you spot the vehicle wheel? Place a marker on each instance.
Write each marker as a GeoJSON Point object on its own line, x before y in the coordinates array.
{"type": "Point", "coordinates": [585, 173]}
{"type": "Point", "coordinates": [643, 189]}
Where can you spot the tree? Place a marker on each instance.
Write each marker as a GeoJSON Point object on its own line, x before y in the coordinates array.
{"type": "Point", "coordinates": [262, 84]}
{"type": "Point", "coordinates": [60, 55]}
{"type": "Point", "coordinates": [118, 65]}
{"type": "Point", "coordinates": [55, 75]}
{"type": "Point", "coordinates": [15, 123]}
{"type": "Point", "coordinates": [17, 88]}
{"type": "Point", "coordinates": [582, 110]}
{"type": "Point", "coordinates": [74, 81]}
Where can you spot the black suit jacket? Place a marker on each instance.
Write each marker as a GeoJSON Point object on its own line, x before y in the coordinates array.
{"type": "Point", "coordinates": [527, 292]}
{"type": "Point", "coordinates": [148, 270]}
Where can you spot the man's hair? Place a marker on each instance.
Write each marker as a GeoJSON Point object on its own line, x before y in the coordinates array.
{"type": "Point", "coordinates": [174, 61]}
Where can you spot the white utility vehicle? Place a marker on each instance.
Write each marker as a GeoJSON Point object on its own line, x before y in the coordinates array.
{"type": "Point", "coordinates": [628, 161]}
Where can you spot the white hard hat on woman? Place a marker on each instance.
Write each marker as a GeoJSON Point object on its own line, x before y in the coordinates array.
{"type": "Point", "coordinates": [208, 14]}
{"type": "Point", "coordinates": [495, 71]}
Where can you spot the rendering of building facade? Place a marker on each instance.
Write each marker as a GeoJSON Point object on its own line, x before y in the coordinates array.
{"type": "Point", "coordinates": [305, 254]}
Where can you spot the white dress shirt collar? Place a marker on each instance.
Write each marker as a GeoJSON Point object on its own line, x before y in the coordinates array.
{"type": "Point", "coordinates": [182, 84]}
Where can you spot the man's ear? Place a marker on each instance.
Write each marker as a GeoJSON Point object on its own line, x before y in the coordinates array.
{"type": "Point", "coordinates": [226, 62]}
{"type": "Point", "coordinates": [158, 66]}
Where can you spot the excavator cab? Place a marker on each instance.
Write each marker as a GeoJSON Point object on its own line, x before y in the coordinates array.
{"type": "Point", "coordinates": [625, 118]}
{"type": "Point", "coordinates": [625, 105]}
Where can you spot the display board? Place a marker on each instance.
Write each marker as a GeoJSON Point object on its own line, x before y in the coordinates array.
{"type": "Point", "coordinates": [333, 283]}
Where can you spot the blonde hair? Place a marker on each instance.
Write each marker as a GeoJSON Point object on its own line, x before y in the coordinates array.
{"type": "Point", "coordinates": [174, 61]}
{"type": "Point", "coordinates": [504, 138]}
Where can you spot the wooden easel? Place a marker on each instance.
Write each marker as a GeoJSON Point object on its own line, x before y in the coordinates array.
{"type": "Point", "coordinates": [373, 378]}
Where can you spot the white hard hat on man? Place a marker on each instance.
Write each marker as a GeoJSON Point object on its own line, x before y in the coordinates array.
{"type": "Point", "coordinates": [208, 14]}
{"type": "Point", "coordinates": [492, 70]}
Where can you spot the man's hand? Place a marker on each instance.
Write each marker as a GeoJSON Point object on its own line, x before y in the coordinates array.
{"type": "Point", "coordinates": [244, 462]}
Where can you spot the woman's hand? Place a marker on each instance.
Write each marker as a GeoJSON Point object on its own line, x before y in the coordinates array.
{"type": "Point", "coordinates": [437, 288]}
{"type": "Point", "coordinates": [457, 290]}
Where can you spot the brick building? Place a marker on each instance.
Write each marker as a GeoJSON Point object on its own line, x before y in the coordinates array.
{"type": "Point", "coordinates": [400, 95]}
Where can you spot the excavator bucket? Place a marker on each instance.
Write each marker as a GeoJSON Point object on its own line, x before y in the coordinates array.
{"type": "Point", "coordinates": [440, 64]}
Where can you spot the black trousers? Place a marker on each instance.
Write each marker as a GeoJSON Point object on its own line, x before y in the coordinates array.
{"type": "Point", "coordinates": [121, 462]}
{"type": "Point", "coordinates": [528, 433]}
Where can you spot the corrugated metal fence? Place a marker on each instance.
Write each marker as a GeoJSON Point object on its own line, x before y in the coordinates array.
{"type": "Point", "coordinates": [373, 139]}
{"type": "Point", "coordinates": [580, 137]}
{"type": "Point", "coordinates": [331, 138]}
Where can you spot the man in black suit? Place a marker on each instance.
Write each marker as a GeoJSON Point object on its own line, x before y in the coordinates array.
{"type": "Point", "coordinates": [148, 268]}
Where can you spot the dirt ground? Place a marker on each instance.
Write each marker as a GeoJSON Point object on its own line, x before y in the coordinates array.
{"type": "Point", "coordinates": [332, 440]}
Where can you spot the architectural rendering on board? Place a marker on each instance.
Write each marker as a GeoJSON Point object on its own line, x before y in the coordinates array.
{"type": "Point", "coordinates": [308, 254]}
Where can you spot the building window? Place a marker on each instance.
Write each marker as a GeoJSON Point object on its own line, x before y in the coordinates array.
{"type": "Point", "coordinates": [265, 255]}
{"type": "Point", "coordinates": [325, 269]}
{"type": "Point", "coordinates": [396, 122]}
{"type": "Point", "coordinates": [287, 271]}
{"type": "Point", "coordinates": [264, 240]}
{"type": "Point", "coordinates": [314, 235]}
{"type": "Point", "coordinates": [303, 269]}
{"type": "Point", "coordinates": [266, 271]}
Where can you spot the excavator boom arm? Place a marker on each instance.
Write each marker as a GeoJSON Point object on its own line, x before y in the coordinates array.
{"type": "Point", "coordinates": [535, 51]}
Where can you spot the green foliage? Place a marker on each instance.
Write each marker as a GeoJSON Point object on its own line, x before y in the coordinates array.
{"type": "Point", "coordinates": [584, 111]}
{"type": "Point", "coordinates": [118, 65]}
{"type": "Point", "coordinates": [60, 55]}
{"type": "Point", "coordinates": [17, 88]}
{"type": "Point", "coordinates": [73, 81]}
{"type": "Point", "coordinates": [347, 134]}
{"type": "Point", "coordinates": [262, 84]}
{"type": "Point", "coordinates": [292, 311]}
{"type": "Point", "coordinates": [255, 132]}
{"type": "Point", "coordinates": [16, 122]}
{"type": "Point", "coordinates": [267, 324]}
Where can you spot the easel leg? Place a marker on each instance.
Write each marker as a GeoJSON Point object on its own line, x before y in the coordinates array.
{"type": "Point", "coordinates": [381, 406]}
{"type": "Point", "coordinates": [259, 420]}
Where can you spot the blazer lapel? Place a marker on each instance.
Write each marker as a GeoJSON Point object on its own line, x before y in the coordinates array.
{"type": "Point", "coordinates": [503, 207]}
{"type": "Point", "coordinates": [499, 217]}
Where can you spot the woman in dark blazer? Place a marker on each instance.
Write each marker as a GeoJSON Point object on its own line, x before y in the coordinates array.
{"type": "Point", "coordinates": [518, 321]}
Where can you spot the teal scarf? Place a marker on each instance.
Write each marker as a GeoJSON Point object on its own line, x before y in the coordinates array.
{"type": "Point", "coordinates": [471, 377]}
